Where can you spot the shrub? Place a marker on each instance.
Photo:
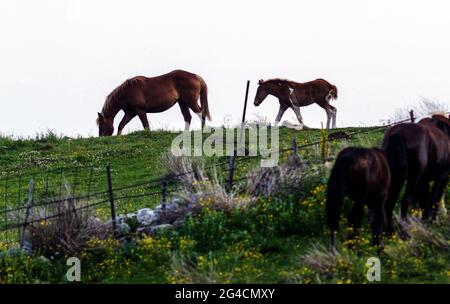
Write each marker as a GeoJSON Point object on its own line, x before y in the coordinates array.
{"type": "Point", "coordinates": [18, 268]}
{"type": "Point", "coordinates": [268, 181]}
{"type": "Point", "coordinates": [63, 228]}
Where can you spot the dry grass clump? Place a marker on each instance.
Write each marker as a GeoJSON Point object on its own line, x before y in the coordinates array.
{"type": "Point", "coordinates": [269, 181]}
{"type": "Point", "coordinates": [199, 191]}
{"type": "Point", "coordinates": [185, 271]}
{"type": "Point", "coordinates": [63, 228]}
{"type": "Point", "coordinates": [185, 169]}
{"type": "Point", "coordinates": [324, 261]}
{"type": "Point", "coordinates": [421, 235]}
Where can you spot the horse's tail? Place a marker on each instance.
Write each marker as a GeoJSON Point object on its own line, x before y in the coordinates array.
{"type": "Point", "coordinates": [395, 149]}
{"type": "Point", "coordinates": [337, 184]}
{"type": "Point", "coordinates": [333, 92]}
{"type": "Point", "coordinates": [204, 100]}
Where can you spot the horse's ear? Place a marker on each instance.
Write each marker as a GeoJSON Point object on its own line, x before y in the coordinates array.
{"type": "Point", "coordinates": [260, 81]}
{"type": "Point", "coordinates": [99, 119]}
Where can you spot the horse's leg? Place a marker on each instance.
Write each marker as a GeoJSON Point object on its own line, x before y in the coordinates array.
{"type": "Point", "coordinates": [280, 114]}
{"type": "Point", "coordinates": [377, 206]}
{"type": "Point", "coordinates": [410, 192]}
{"type": "Point", "coordinates": [333, 115]}
{"type": "Point", "coordinates": [191, 102]}
{"type": "Point", "coordinates": [416, 170]}
{"type": "Point", "coordinates": [437, 192]}
{"type": "Point", "coordinates": [126, 119]}
{"type": "Point", "coordinates": [186, 114]}
{"type": "Point", "coordinates": [332, 241]}
{"type": "Point", "coordinates": [298, 114]}
{"type": "Point", "coordinates": [326, 106]}
{"type": "Point", "coordinates": [328, 118]}
{"type": "Point", "coordinates": [394, 192]}
{"type": "Point", "coordinates": [355, 217]}
{"type": "Point", "coordinates": [143, 117]}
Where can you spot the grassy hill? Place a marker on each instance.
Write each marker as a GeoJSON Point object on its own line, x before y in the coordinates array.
{"type": "Point", "coordinates": [56, 164]}
{"type": "Point", "coordinates": [279, 239]}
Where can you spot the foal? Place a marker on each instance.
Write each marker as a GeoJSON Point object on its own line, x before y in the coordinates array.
{"type": "Point", "coordinates": [363, 175]}
{"type": "Point", "coordinates": [294, 95]}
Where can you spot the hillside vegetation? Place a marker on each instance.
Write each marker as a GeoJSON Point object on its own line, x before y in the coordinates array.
{"type": "Point", "coordinates": [258, 236]}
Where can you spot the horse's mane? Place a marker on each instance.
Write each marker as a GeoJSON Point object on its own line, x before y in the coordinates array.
{"type": "Point", "coordinates": [438, 113]}
{"type": "Point", "coordinates": [112, 98]}
{"type": "Point", "coordinates": [274, 80]}
{"type": "Point", "coordinates": [277, 80]}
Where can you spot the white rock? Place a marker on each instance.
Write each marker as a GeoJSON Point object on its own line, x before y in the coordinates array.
{"type": "Point", "coordinates": [146, 216]}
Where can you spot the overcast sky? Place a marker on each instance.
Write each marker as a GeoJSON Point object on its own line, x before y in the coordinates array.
{"type": "Point", "coordinates": [60, 58]}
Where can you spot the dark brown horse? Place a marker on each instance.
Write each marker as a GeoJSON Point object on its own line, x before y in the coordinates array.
{"type": "Point", "coordinates": [363, 175]}
{"type": "Point", "coordinates": [418, 154]}
{"type": "Point", "coordinates": [294, 95]}
{"type": "Point", "coordinates": [438, 166]}
{"type": "Point", "coordinates": [141, 95]}
{"type": "Point", "coordinates": [406, 147]}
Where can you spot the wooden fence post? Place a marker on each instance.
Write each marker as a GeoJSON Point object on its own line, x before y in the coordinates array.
{"type": "Point", "coordinates": [75, 181]}
{"type": "Point", "coordinates": [231, 171]}
{"type": "Point", "coordinates": [27, 213]}
{"type": "Point", "coordinates": [19, 202]}
{"type": "Point", "coordinates": [61, 176]}
{"type": "Point", "coordinates": [411, 116]}
{"type": "Point", "coordinates": [91, 171]}
{"type": "Point", "coordinates": [111, 200]}
{"type": "Point", "coordinates": [295, 148]}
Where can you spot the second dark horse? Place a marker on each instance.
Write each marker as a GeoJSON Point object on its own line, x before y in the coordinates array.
{"type": "Point", "coordinates": [418, 154]}
{"type": "Point", "coordinates": [363, 175]}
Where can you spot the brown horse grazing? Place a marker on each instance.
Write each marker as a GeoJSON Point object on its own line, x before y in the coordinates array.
{"type": "Point", "coordinates": [438, 166]}
{"type": "Point", "coordinates": [363, 175]}
{"type": "Point", "coordinates": [407, 149]}
{"type": "Point", "coordinates": [294, 95]}
{"type": "Point", "coordinates": [141, 95]}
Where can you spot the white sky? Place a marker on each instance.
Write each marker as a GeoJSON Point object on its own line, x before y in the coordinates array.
{"type": "Point", "coordinates": [60, 58]}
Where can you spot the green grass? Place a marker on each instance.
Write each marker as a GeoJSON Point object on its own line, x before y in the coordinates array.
{"type": "Point", "coordinates": [266, 244]}
{"type": "Point", "coordinates": [80, 163]}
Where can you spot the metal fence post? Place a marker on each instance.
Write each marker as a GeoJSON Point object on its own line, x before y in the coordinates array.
{"type": "Point", "coordinates": [411, 116]}
{"type": "Point", "coordinates": [27, 212]}
{"type": "Point", "coordinates": [164, 192]}
{"type": "Point", "coordinates": [232, 160]}
{"type": "Point", "coordinates": [111, 199]}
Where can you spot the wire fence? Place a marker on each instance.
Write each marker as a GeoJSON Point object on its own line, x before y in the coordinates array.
{"type": "Point", "coordinates": [34, 197]}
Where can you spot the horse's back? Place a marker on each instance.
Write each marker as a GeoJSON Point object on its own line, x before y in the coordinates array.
{"type": "Point", "coordinates": [319, 88]}
{"type": "Point", "coordinates": [366, 166]}
{"type": "Point", "coordinates": [414, 135]}
{"type": "Point", "coordinates": [184, 80]}
{"type": "Point", "coordinates": [439, 153]}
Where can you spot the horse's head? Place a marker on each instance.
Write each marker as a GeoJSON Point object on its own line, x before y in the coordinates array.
{"type": "Point", "coordinates": [105, 125]}
{"type": "Point", "coordinates": [265, 88]}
